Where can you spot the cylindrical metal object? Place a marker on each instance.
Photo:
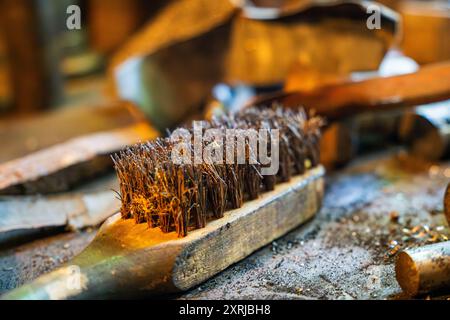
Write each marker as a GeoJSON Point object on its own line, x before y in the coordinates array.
{"type": "Point", "coordinates": [424, 269]}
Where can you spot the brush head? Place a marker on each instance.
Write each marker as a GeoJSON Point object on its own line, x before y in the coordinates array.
{"type": "Point", "coordinates": [180, 182]}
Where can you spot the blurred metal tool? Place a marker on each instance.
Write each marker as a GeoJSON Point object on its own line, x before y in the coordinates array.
{"type": "Point", "coordinates": [426, 130]}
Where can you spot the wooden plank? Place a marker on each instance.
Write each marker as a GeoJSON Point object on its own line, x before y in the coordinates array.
{"type": "Point", "coordinates": [425, 30]}
{"type": "Point", "coordinates": [427, 85]}
{"type": "Point", "coordinates": [23, 218]}
{"type": "Point", "coordinates": [24, 136]}
{"type": "Point", "coordinates": [68, 146]}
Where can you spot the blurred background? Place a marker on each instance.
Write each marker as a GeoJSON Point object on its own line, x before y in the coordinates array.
{"type": "Point", "coordinates": [43, 65]}
{"type": "Point", "coordinates": [173, 61]}
{"type": "Point", "coordinates": [131, 69]}
{"type": "Point", "coordinates": [41, 57]}
{"type": "Point", "coordinates": [82, 79]}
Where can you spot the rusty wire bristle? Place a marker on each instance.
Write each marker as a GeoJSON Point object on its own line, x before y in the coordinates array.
{"type": "Point", "coordinates": [181, 197]}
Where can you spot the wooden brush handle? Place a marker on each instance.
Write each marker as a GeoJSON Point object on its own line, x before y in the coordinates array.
{"type": "Point", "coordinates": [127, 259]}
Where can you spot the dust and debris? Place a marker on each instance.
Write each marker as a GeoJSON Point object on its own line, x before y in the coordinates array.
{"type": "Point", "coordinates": [25, 263]}
{"type": "Point", "coordinates": [394, 216]}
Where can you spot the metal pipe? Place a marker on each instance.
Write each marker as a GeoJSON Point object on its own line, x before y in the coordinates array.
{"type": "Point", "coordinates": [424, 269]}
